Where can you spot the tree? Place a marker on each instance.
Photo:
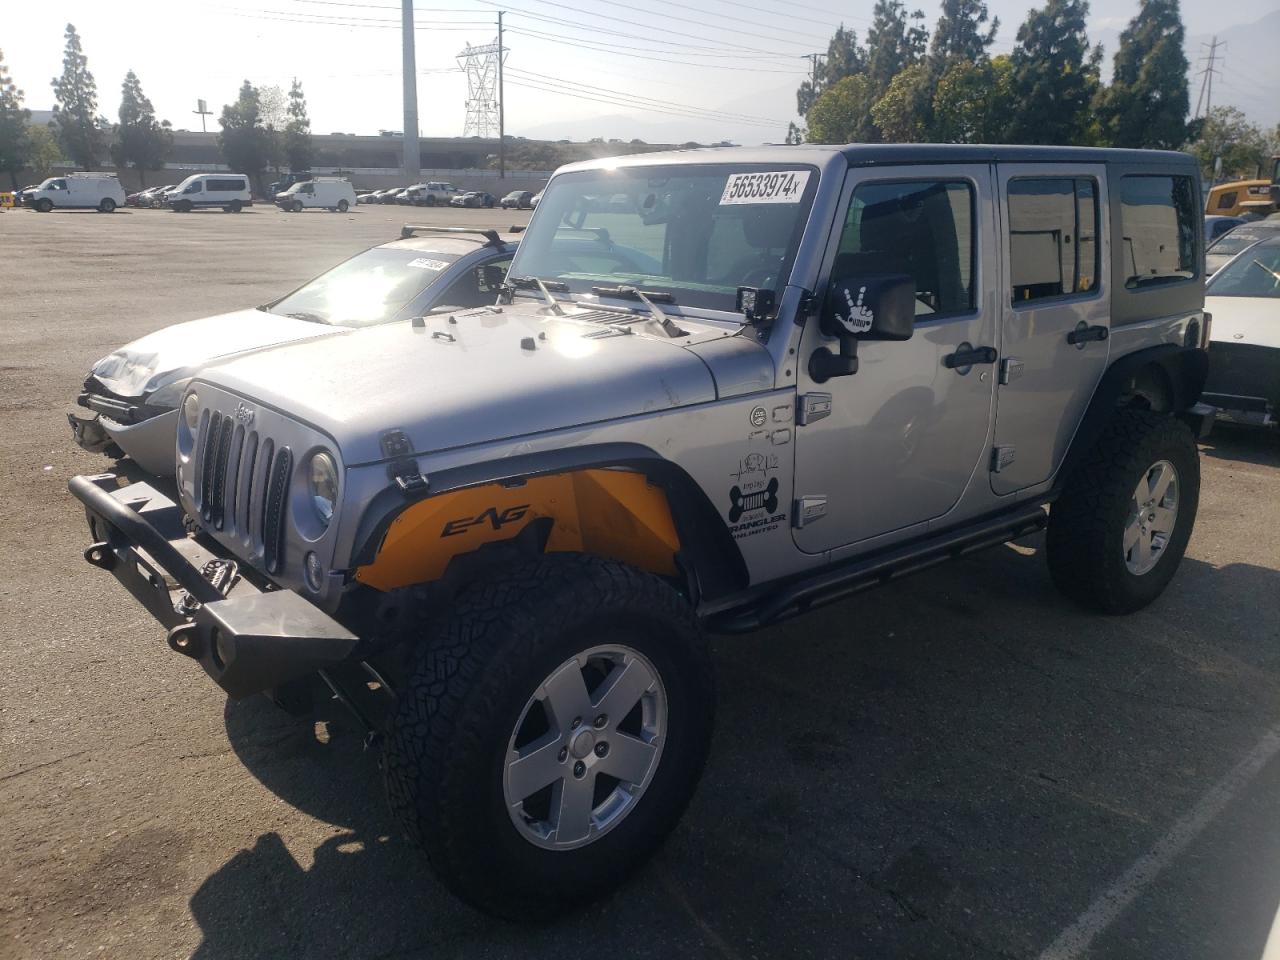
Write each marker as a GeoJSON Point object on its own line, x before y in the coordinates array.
{"type": "Point", "coordinates": [1228, 134]}
{"type": "Point", "coordinates": [973, 102]}
{"type": "Point", "coordinates": [140, 140]}
{"type": "Point", "coordinates": [905, 113]}
{"type": "Point", "coordinates": [844, 58]}
{"type": "Point", "coordinates": [1054, 76]}
{"type": "Point", "coordinates": [80, 132]}
{"type": "Point", "coordinates": [43, 153]}
{"type": "Point", "coordinates": [297, 132]}
{"type": "Point", "coordinates": [893, 42]}
{"type": "Point", "coordinates": [959, 35]}
{"type": "Point", "coordinates": [244, 143]}
{"type": "Point", "coordinates": [15, 144]}
{"type": "Point", "coordinates": [1147, 102]}
{"type": "Point", "coordinates": [842, 114]}
{"type": "Point", "coordinates": [273, 108]}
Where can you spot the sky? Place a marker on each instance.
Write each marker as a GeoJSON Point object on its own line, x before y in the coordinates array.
{"type": "Point", "coordinates": [659, 70]}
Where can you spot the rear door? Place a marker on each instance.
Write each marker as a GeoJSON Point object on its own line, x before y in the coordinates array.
{"type": "Point", "coordinates": [1055, 315]}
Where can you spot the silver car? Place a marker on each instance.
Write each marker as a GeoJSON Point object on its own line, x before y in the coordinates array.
{"type": "Point", "coordinates": [752, 382]}
{"type": "Point", "coordinates": [133, 393]}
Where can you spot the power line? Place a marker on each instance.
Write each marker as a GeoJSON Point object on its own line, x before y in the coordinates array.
{"type": "Point", "coordinates": [618, 103]}
{"type": "Point", "coordinates": [619, 51]}
{"type": "Point", "coordinates": [719, 114]}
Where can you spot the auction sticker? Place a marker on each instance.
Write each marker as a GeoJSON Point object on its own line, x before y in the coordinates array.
{"type": "Point", "coordinates": [777, 186]}
{"type": "Point", "coordinates": [423, 263]}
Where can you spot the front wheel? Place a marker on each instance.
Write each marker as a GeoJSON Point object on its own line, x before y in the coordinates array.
{"type": "Point", "coordinates": [44, 205]}
{"type": "Point", "coordinates": [297, 206]}
{"type": "Point", "coordinates": [551, 734]}
{"type": "Point", "coordinates": [1121, 526]}
{"type": "Point", "coordinates": [430, 201]}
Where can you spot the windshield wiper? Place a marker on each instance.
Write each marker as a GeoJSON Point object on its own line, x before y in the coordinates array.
{"type": "Point", "coordinates": [1262, 266]}
{"type": "Point", "coordinates": [650, 299]}
{"type": "Point", "coordinates": [545, 287]}
{"type": "Point", "coordinates": [309, 317]}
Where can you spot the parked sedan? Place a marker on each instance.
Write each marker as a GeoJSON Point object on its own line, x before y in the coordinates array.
{"type": "Point", "coordinates": [1215, 226]}
{"type": "Point", "coordinates": [518, 200]}
{"type": "Point", "coordinates": [1244, 353]}
{"type": "Point", "coordinates": [473, 198]}
{"type": "Point", "coordinates": [1235, 240]}
{"type": "Point", "coordinates": [133, 394]}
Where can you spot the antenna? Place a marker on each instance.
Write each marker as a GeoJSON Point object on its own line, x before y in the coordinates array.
{"type": "Point", "coordinates": [484, 108]}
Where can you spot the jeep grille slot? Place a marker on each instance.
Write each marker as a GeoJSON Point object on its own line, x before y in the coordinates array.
{"type": "Point", "coordinates": [273, 514]}
{"type": "Point", "coordinates": [242, 487]}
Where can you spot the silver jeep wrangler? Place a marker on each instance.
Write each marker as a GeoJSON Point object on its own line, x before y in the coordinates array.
{"type": "Point", "coordinates": [720, 387]}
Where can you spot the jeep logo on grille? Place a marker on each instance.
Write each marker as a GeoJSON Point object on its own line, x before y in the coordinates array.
{"type": "Point", "coordinates": [244, 414]}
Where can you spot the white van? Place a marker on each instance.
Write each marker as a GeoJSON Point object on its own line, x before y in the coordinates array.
{"type": "Point", "coordinates": [230, 191]}
{"type": "Point", "coordinates": [332, 193]}
{"type": "Point", "coordinates": [91, 191]}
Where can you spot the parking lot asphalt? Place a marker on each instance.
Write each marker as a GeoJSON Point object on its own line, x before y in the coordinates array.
{"type": "Point", "coordinates": [958, 765]}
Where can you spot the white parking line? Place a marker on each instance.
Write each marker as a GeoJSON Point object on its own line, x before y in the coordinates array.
{"type": "Point", "coordinates": [1104, 910]}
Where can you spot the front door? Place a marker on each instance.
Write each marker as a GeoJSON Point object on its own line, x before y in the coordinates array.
{"type": "Point", "coordinates": [907, 432]}
{"type": "Point", "coordinates": [1055, 309]}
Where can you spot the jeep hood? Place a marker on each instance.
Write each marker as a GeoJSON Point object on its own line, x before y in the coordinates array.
{"type": "Point", "coordinates": [487, 376]}
{"type": "Point", "coordinates": [179, 350]}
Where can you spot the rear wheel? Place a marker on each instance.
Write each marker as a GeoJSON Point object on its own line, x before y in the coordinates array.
{"type": "Point", "coordinates": [1121, 526]}
{"type": "Point", "coordinates": [552, 733]}
{"type": "Point", "coordinates": [430, 201]}
{"type": "Point", "coordinates": [234, 206]}
{"type": "Point", "coordinates": [107, 205]}
{"type": "Point", "coordinates": [343, 206]}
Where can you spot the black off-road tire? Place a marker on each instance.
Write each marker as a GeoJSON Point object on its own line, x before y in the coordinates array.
{"type": "Point", "coordinates": [1087, 523]}
{"type": "Point", "coordinates": [444, 755]}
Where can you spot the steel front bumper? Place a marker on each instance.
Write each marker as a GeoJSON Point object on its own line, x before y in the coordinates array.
{"type": "Point", "coordinates": [247, 639]}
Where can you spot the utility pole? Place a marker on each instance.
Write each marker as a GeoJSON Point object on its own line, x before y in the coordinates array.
{"type": "Point", "coordinates": [409, 69]}
{"type": "Point", "coordinates": [1206, 85]}
{"type": "Point", "coordinates": [502, 117]}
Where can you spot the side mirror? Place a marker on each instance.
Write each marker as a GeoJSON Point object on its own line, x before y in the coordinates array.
{"type": "Point", "coordinates": [871, 308]}
{"type": "Point", "coordinates": [862, 308]}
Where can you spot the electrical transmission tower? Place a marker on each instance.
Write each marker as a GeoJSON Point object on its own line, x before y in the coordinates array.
{"type": "Point", "coordinates": [1206, 85]}
{"type": "Point", "coordinates": [482, 67]}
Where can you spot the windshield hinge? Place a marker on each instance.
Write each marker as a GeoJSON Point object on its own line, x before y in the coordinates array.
{"type": "Point", "coordinates": [403, 469]}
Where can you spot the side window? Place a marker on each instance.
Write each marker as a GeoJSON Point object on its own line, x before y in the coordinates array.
{"type": "Point", "coordinates": [1053, 237]}
{"type": "Point", "coordinates": [477, 287]}
{"type": "Point", "coordinates": [1158, 223]}
{"type": "Point", "coordinates": [1226, 200]}
{"type": "Point", "coordinates": [308, 188]}
{"type": "Point", "coordinates": [58, 185]}
{"type": "Point", "coordinates": [921, 228]}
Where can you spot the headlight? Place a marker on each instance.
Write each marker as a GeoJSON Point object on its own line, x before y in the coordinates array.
{"type": "Point", "coordinates": [191, 411]}
{"type": "Point", "coordinates": [322, 483]}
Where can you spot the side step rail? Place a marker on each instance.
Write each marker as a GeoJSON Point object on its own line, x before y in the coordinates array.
{"type": "Point", "coordinates": [835, 583]}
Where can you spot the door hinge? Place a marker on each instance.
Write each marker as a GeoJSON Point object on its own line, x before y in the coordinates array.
{"type": "Point", "coordinates": [1010, 369]}
{"type": "Point", "coordinates": [1001, 456]}
{"type": "Point", "coordinates": [808, 509]}
{"type": "Point", "coordinates": [812, 406]}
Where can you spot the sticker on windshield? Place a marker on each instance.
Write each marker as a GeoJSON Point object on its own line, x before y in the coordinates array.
{"type": "Point", "coordinates": [779, 186]}
{"type": "Point", "coordinates": [423, 263]}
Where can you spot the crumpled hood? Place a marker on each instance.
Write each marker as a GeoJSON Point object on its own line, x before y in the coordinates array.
{"type": "Point", "coordinates": [179, 350]}
{"type": "Point", "coordinates": [487, 376]}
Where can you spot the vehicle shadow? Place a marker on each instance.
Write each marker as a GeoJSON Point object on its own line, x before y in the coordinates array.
{"type": "Point", "coordinates": [893, 775]}
{"type": "Point", "coordinates": [1243, 444]}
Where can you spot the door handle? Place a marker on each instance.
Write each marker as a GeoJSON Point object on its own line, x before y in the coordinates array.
{"type": "Point", "coordinates": [967, 356]}
{"type": "Point", "coordinates": [1083, 333]}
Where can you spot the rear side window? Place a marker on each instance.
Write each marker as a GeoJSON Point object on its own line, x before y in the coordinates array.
{"type": "Point", "coordinates": [1158, 223]}
{"type": "Point", "coordinates": [921, 228]}
{"type": "Point", "coordinates": [225, 185]}
{"type": "Point", "coordinates": [1053, 237]}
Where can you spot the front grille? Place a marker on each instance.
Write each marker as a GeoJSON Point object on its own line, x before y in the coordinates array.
{"type": "Point", "coordinates": [242, 487]}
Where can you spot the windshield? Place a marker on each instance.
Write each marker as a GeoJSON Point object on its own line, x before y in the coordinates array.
{"type": "Point", "coordinates": [1254, 274]}
{"type": "Point", "coordinates": [1230, 244]}
{"type": "Point", "coordinates": [371, 287]}
{"type": "Point", "coordinates": [695, 231]}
